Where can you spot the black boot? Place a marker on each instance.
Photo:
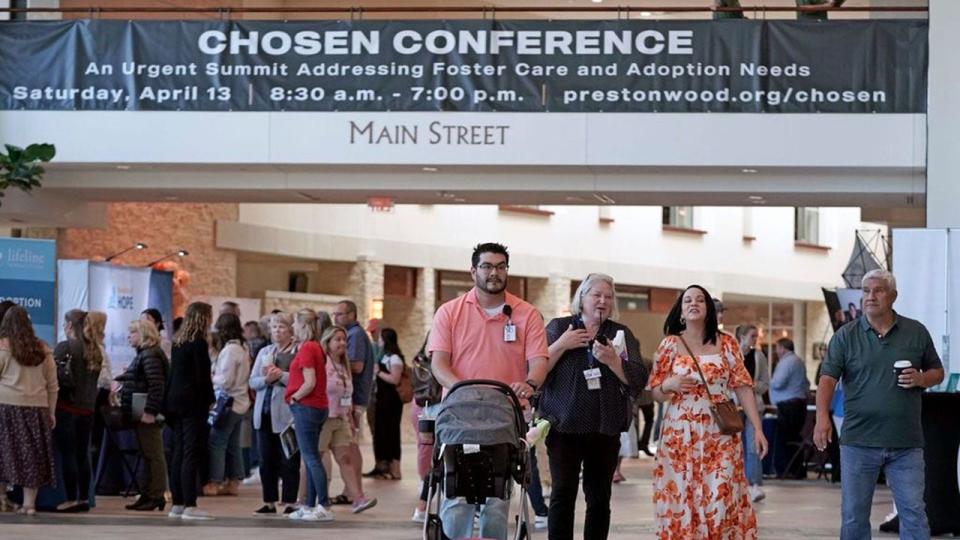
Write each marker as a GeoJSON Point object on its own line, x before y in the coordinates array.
{"type": "Point", "coordinates": [146, 504]}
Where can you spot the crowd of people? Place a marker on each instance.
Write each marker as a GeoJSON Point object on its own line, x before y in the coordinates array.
{"type": "Point", "coordinates": [305, 382]}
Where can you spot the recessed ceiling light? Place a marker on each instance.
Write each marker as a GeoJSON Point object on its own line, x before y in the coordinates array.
{"type": "Point", "coordinates": [755, 198]}
{"type": "Point", "coordinates": [430, 169]}
{"type": "Point", "coordinates": [646, 14]}
{"type": "Point", "coordinates": [597, 1]}
{"type": "Point", "coordinates": [446, 195]}
{"type": "Point", "coordinates": [123, 167]}
{"type": "Point", "coordinates": [171, 198]}
{"type": "Point", "coordinates": [749, 171]}
{"type": "Point", "coordinates": [459, 199]}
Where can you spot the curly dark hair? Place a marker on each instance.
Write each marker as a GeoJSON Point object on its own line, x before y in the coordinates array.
{"type": "Point", "coordinates": [489, 247]}
{"type": "Point", "coordinates": [25, 347]}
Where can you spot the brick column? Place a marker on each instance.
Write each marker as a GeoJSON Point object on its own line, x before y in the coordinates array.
{"type": "Point", "coordinates": [366, 285]}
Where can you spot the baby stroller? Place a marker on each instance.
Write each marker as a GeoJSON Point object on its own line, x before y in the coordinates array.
{"type": "Point", "coordinates": [480, 450]}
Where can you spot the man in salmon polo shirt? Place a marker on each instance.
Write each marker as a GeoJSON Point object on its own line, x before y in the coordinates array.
{"type": "Point", "coordinates": [487, 333]}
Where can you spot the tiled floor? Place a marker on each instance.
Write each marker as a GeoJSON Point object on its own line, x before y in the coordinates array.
{"type": "Point", "coordinates": [792, 510]}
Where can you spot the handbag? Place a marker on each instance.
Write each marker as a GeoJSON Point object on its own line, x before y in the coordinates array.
{"type": "Point", "coordinates": [405, 386]}
{"type": "Point", "coordinates": [725, 413]}
{"type": "Point", "coordinates": [218, 414]}
{"type": "Point", "coordinates": [288, 442]}
{"type": "Point", "coordinates": [65, 372]}
{"type": "Point", "coordinates": [426, 389]}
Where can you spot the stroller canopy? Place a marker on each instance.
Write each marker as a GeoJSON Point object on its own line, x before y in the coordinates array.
{"type": "Point", "coordinates": [479, 414]}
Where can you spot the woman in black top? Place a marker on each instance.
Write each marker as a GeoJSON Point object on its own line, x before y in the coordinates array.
{"type": "Point", "coordinates": [188, 400]}
{"type": "Point", "coordinates": [595, 369]}
{"type": "Point", "coordinates": [147, 374]}
{"type": "Point", "coordinates": [75, 405]}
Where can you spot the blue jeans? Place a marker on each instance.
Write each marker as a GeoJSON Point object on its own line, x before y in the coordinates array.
{"type": "Point", "coordinates": [751, 459]}
{"type": "Point", "coordinates": [904, 470]}
{"type": "Point", "coordinates": [457, 517]}
{"type": "Point", "coordinates": [225, 450]}
{"type": "Point", "coordinates": [307, 424]}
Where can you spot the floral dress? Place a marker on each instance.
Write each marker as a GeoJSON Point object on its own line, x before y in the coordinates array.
{"type": "Point", "coordinates": [700, 491]}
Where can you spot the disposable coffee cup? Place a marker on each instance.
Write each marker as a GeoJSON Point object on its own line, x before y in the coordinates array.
{"type": "Point", "coordinates": [899, 366]}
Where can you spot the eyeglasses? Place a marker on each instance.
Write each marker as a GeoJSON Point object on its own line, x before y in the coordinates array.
{"type": "Point", "coordinates": [487, 267]}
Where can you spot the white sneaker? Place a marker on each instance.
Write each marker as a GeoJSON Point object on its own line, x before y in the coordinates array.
{"type": "Point", "coordinates": [196, 514]}
{"type": "Point", "coordinates": [756, 493]}
{"type": "Point", "coordinates": [253, 479]}
{"type": "Point", "coordinates": [540, 522]}
{"type": "Point", "coordinates": [320, 514]}
{"type": "Point", "coordinates": [299, 513]}
{"type": "Point", "coordinates": [419, 515]}
{"type": "Point", "coordinates": [176, 512]}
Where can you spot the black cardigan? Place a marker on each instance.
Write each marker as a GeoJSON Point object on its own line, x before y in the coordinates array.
{"type": "Point", "coordinates": [189, 386]}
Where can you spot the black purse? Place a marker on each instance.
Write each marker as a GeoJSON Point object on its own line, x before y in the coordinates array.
{"type": "Point", "coordinates": [65, 372]}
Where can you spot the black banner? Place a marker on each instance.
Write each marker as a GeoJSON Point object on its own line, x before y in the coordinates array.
{"type": "Point", "coordinates": [523, 66]}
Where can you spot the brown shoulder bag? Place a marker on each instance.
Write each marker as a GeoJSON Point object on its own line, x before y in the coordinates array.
{"type": "Point", "coordinates": [725, 413]}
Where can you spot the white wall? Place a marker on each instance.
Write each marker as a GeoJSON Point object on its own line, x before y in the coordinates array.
{"type": "Point", "coordinates": [570, 243]}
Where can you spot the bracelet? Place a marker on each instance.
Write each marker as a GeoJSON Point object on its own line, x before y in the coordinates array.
{"type": "Point", "coordinates": [531, 384]}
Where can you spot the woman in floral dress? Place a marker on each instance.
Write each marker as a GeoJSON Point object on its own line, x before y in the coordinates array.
{"type": "Point", "coordinates": [700, 491]}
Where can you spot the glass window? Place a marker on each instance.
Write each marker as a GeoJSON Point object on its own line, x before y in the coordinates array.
{"type": "Point", "coordinates": [678, 216]}
{"type": "Point", "coordinates": [807, 225]}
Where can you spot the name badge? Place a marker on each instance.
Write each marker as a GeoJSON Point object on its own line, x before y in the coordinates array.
{"type": "Point", "coordinates": [510, 333]}
{"type": "Point", "coordinates": [593, 378]}
{"type": "Point", "coordinates": [346, 401]}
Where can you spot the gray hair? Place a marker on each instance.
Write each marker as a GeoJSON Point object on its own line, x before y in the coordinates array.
{"type": "Point", "coordinates": [576, 304]}
{"type": "Point", "coordinates": [882, 275]}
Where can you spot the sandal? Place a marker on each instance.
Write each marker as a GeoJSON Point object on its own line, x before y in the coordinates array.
{"type": "Point", "coordinates": [27, 511]}
{"type": "Point", "coordinates": [617, 478]}
{"type": "Point", "coordinates": [386, 475]}
{"type": "Point", "coordinates": [341, 499]}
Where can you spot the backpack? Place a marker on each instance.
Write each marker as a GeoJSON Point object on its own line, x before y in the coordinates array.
{"type": "Point", "coordinates": [426, 389]}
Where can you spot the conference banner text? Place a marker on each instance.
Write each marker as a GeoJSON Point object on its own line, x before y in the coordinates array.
{"type": "Point", "coordinates": [871, 66]}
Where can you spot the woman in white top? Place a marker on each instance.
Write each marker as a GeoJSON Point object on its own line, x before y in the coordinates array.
{"type": "Point", "coordinates": [386, 429]}
{"type": "Point", "coordinates": [231, 375]}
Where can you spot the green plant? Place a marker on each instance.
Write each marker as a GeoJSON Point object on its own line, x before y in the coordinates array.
{"type": "Point", "coordinates": [20, 167]}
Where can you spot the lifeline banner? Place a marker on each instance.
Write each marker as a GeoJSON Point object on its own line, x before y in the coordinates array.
{"type": "Point", "coordinates": [530, 66]}
{"type": "Point", "coordinates": [27, 276]}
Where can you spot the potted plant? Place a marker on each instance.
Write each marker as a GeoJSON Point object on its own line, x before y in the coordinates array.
{"type": "Point", "coordinates": [19, 167]}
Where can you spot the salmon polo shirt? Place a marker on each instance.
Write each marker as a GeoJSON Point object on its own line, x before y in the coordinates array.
{"type": "Point", "coordinates": [475, 341]}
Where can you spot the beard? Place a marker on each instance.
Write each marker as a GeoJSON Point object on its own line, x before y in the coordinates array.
{"type": "Point", "coordinates": [491, 285]}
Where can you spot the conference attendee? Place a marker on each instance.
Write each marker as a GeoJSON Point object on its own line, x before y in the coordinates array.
{"type": "Point", "coordinates": [756, 364]}
{"type": "Point", "coordinates": [852, 313]}
{"type": "Point", "coordinates": [231, 307]}
{"type": "Point", "coordinates": [96, 323]}
{"type": "Point", "coordinates": [147, 374]}
{"type": "Point", "coordinates": [789, 388]}
{"type": "Point", "coordinates": [75, 406]}
{"type": "Point", "coordinates": [881, 408]}
{"type": "Point", "coordinates": [594, 363]}
{"type": "Point", "coordinates": [715, 502]}
{"type": "Point", "coordinates": [386, 433]}
{"type": "Point", "coordinates": [186, 406]}
{"type": "Point", "coordinates": [645, 406]}
{"type": "Point", "coordinates": [307, 396]}
{"type": "Point", "coordinates": [360, 353]}
{"type": "Point", "coordinates": [373, 331]}
{"type": "Point", "coordinates": [230, 378]}
{"type": "Point", "coordinates": [339, 431]}
{"type": "Point", "coordinates": [271, 416]}
{"type": "Point", "coordinates": [253, 337]}
{"type": "Point", "coordinates": [153, 315]}
{"type": "Point", "coordinates": [487, 333]}
{"type": "Point", "coordinates": [28, 402]}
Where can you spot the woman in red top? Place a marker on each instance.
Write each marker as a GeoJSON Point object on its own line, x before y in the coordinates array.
{"type": "Point", "coordinates": [307, 395]}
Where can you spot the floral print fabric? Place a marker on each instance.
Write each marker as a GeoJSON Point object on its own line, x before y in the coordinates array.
{"type": "Point", "coordinates": [700, 491]}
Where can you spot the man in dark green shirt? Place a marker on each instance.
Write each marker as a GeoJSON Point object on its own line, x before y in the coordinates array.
{"type": "Point", "coordinates": [881, 426]}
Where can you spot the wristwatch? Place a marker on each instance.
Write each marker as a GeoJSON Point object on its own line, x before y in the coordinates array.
{"type": "Point", "coordinates": [531, 384]}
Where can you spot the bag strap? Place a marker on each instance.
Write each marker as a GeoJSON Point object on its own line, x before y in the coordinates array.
{"type": "Point", "coordinates": [696, 363]}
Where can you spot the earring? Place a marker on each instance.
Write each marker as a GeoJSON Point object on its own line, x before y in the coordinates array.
{"type": "Point", "coordinates": [683, 321]}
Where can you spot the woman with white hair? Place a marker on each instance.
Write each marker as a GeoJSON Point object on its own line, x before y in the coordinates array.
{"type": "Point", "coordinates": [594, 370]}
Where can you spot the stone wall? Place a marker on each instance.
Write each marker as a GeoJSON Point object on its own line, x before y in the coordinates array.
{"type": "Point", "coordinates": [164, 228]}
